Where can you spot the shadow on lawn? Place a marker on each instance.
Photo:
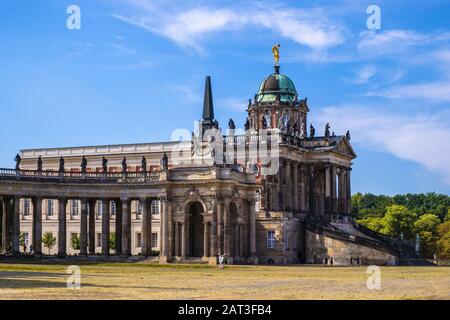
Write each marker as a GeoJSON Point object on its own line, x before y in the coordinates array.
{"type": "Point", "coordinates": [30, 280]}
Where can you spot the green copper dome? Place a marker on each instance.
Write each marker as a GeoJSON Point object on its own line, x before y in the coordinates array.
{"type": "Point", "coordinates": [277, 85]}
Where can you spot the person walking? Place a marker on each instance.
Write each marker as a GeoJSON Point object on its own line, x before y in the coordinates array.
{"type": "Point", "coordinates": [221, 262]}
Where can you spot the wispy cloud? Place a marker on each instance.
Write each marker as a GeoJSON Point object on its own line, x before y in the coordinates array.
{"type": "Point", "coordinates": [232, 104]}
{"type": "Point", "coordinates": [421, 138]}
{"type": "Point", "coordinates": [190, 26]}
{"type": "Point", "coordinates": [121, 48]}
{"type": "Point", "coordinates": [362, 75]}
{"type": "Point", "coordinates": [438, 91]}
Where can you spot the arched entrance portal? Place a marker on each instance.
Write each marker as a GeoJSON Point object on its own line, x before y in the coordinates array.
{"type": "Point", "coordinates": [195, 248]}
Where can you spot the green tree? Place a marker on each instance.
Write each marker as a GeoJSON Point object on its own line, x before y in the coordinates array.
{"type": "Point", "coordinates": [75, 239]}
{"type": "Point", "coordinates": [22, 242]}
{"type": "Point", "coordinates": [443, 244]}
{"type": "Point", "coordinates": [48, 241]}
{"type": "Point", "coordinates": [427, 222]}
{"type": "Point", "coordinates": [428, 244]}
{"type": "Point", "coordinates": [399, 221]}
{"type": "Point", "coordinates": [373, 223]}
{"type": "Point", "coordinates": [426, 228]}
{"type": "Point", "coordinates": [112, 241]}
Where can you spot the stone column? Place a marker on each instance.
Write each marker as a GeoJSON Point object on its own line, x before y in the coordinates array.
{"type": "Point", "coordinates": [296, 207]}
{"type": "Point", "coordinates": [226, 234]}
{"type": "Point", "coordinates": [126, 227]}
{"type": "Point", "coordinates": [328, 201]}
{"type": "Point", "coordinates": [341, 191]}
{"type": "Point", "coordinates": [252, 228]}
{"type": "Point", "coordinates": [84, 227]}
{"type": "Point", "coordinates": [183, 240]}
{"type": "Point", "coordinates": [220, 227]}
{"type": "Point", "coordinates": [205, 239]}
{"type": "Point", "coordinates": [16, 227]}
{"type": "Point", "coordinates": [302, 189]}
{"type": "Point", "coordinates": [37, 225]}
{"type": "Point", "coordinates": [146, 227]}
{"type": "Point", "coordinates": [170, 228]}
{"type": "Point", "coordinates": [236, 241]}
{"type": "Point", "coordinates": [213, 228]}
{"type": "Point", "coordinates": [349, 194]}
{"type": "Point", "coordinates": [5, 224]}
{"type": "Point", "coordinates": [92, 203]}
{"type": "Point", "coordinates": [333, 189]}
{"type": "Point", "coordinates": [241, 240]}
{"type": "Point", "coordinates": [164, 229]}
{"type": "Point", "coordinates": [118, 226]}
{"type": "Point", "coordinates": [105, 227]}
{"type": "Point", "coordinates": [177, 239]}
{"type": "Point", "coordinates": [344, 190]}
{"type": "Point", "coordinates": [62, 231]}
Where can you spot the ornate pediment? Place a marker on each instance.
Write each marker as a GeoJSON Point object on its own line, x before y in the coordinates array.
{"type": "Point", "coordinates": [343, 147]}
{"type": "Point", "coordinates": [192, 194]}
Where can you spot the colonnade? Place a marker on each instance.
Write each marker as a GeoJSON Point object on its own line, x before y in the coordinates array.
{"type": "Point", "coordinates": [310, 188]}
{"type": "Point", "coordinates": [11, 225]}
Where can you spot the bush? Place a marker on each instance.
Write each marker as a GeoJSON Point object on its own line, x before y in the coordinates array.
{"type": "Point", "coordinates": [155, 253]}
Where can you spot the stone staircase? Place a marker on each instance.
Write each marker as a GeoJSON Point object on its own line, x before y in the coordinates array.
{"type": "Point", "coordinates": [416, 262]}
{"type": "Point", "coordinates": [193, 260]}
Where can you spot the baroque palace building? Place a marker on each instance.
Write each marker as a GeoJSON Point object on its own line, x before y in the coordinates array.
{"type": "Point", "coordinates": [288, 204]}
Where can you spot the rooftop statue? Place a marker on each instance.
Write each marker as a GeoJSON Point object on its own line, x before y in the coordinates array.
{"type": "Point", "coordinates": [144, 164]}
{"type": "Point", "coordinates": [17, 159]}
{"type": "Point", "coordinates": [247, 124]}
{"type": "Point", "coordinates": [276, 53]}
{"type": "Point", "coordinates": [347, 135]}
{"type": "Point", "coordinates": [83, 164]}
{"type": "Point", "coordinates": [124, 165]}
{"type": "Point", "coordinates": [231, 124]}
{"type": "Point", "coordinates": [263, 123]}
{"type": "Point", "coordinates": [39, 164]}
{"type": "Point", "coordinates": [164, 162]}
{"type": "Point", "coordinates": [312, 131]}
{"type": "Point", "coordinates": [61, 164]}
{"type": "Point", "coordinates": [105, 165]}
{"type": "Point", "coordinates": [327, 130]}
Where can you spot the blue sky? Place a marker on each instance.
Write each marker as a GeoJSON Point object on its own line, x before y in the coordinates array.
{"type": "Point", "coordinates": [135, 71]}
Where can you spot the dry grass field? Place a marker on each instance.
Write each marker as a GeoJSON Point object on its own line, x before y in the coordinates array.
{"type": "Point", "coordinates": [151, 281]}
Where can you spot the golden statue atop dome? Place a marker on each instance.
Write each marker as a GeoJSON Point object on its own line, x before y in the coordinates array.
{"type": "Point", "coordinates": [276, 53]}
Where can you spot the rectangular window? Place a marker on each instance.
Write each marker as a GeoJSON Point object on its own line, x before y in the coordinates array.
{"type": "Point", "coordinates": [271, 239]}
{"type": "Point", "coordinates": [50, 207]}
{"type": "Point", "coordinates": [154, 240]}
{"type": "Point", "coordinates": [99, 240]}
{"type": "Point", "coordinates": [155, 207]}
{"type": "Point", "coordinates": [139, 208]}
{"type": "Point", "coordinates": [138, 240]}
{"type": "Point", "coordinates": [75, 207]}
{"type": "Point", "coordinates": [100, 207]}
{"type": "Point", "coordinates": [26, 238]}
{"type": "Point", "coordinates": [26, 207]}
{"type": "Point", "coordinates": [113, 208]}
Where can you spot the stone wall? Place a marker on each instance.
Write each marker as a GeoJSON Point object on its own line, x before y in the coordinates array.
{"type": "Point", "coordinates": [319, 247]}
{"type": "Point", "coordinates": [287, 245]}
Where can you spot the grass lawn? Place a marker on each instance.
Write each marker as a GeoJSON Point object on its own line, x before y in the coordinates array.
{"type": "Point", "coordinates": [152, 281]}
